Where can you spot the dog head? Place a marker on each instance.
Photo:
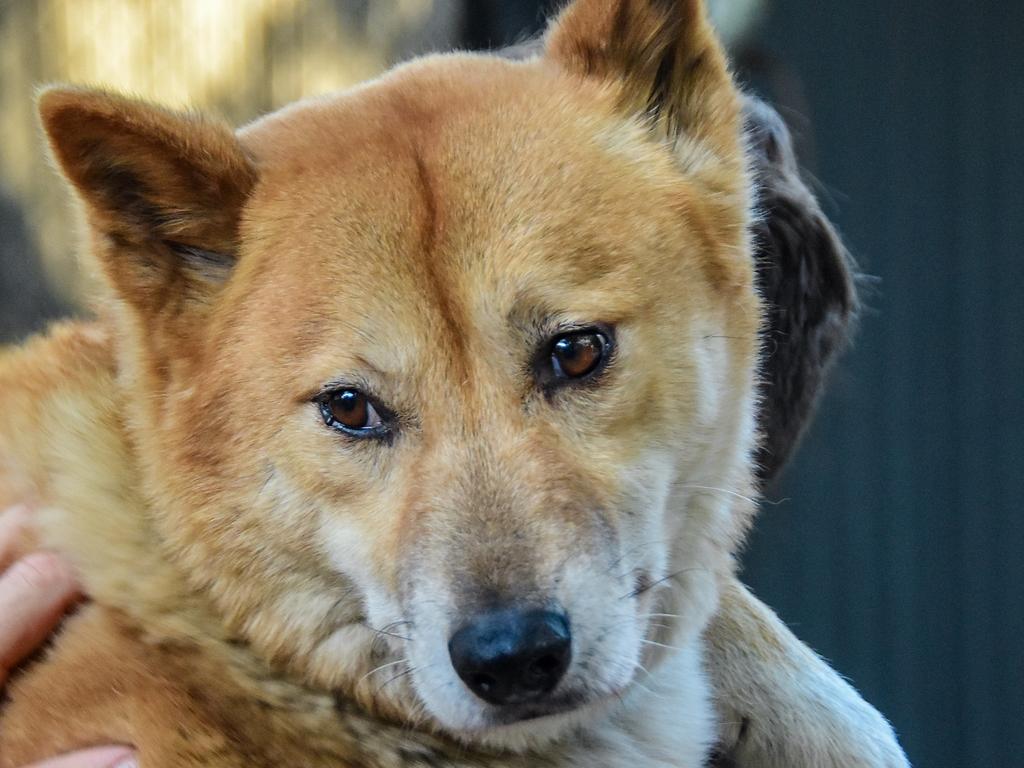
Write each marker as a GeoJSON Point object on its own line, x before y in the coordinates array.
{"type": "Point", "coordinates": [443, 387]}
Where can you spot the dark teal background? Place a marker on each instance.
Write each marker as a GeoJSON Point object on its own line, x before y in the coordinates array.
{"type": "Point", "coordinates": [900, 556]}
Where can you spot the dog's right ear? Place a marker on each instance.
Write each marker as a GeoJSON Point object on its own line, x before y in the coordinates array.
{"type": "Point", "coordinates": [163, 193]}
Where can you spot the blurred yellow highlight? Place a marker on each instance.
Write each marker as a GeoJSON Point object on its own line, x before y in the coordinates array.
{"type": "Point", "coordinates": [239, 59]}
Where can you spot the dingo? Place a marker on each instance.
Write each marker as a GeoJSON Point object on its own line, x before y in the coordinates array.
{"type": "Point", "coordinates": [417, 426]}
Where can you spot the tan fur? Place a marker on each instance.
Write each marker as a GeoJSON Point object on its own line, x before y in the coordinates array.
{"type": "Point", "coordinates": [419, 237]}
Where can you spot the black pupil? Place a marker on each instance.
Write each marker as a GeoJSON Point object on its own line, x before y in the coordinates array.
{"type": "Point", "coordinates": [578, 354]}
{"type": "Point", "coordinates": [350, 408]}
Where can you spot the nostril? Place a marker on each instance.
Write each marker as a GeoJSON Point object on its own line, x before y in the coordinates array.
{"type": "Point", "coordinates": [546, 666]}
{"type": "Point", "coordinates": [483, 683]}
{"type": "Point", "coordinates": [512, 656]}
{"type": "Point", "coordinates": [544, 673]}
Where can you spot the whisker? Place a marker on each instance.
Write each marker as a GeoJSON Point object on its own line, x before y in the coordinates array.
{"type": "Point", "coordinates": [769, 502]}
{"type": "Point", "coordinates": [717, 490]}
{"type": "Point", "coordinates": [661, 645]}
{"type": "Point", "coordinates": [648, 691]}
{"type": "Point", "coordinates": [385, 630]}
{"type": "Point", "coordinates": [634, 548]}
{"type": "Point", "coordinates": [407, 672]}
{"type": "Point", "coordinates": [396, 677]}
{"type": "Point", "coordinates": [653, 584]}
{"type": "Point", "coordinates": [382, 666]}
{"type": "Point", "coordinates": [626, 622]}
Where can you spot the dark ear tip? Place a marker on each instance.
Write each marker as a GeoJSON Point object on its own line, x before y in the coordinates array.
{"type": "Point", "coordinates": [66, 113]}
{"type": "Point", "coordinates": [59, 97]}
{"type": "Point", "coordinates": [63, 107]}
{"type": "Point", "coordinates": [71, 114]}
{"type": "Point", "coordinates": [58, 103]}
{"type": "Point", "coordinates": [53, 101]}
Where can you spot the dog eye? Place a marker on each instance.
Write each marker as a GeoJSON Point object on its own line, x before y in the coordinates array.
{"type": "Point", "coordinates": [578, 354]}
{"type": "Point", "coordinates": [352, 412]}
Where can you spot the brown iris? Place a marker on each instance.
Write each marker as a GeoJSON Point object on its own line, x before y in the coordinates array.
{"type": "Point", "coordinates": [578, 354]}
{"type": "Point", "coordinates": [350, 409]}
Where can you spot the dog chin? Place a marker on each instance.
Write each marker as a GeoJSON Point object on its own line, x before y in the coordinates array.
{"type": "Point", "coordinates": [533, 726]}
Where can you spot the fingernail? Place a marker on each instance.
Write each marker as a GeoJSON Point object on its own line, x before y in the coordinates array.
{"type": "Point", "coordinates": [43, 572]}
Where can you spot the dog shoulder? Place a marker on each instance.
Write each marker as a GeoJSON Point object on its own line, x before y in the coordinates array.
{"type": "Point", "coordinates": [180, 701]}
{"type": "Point", "coordinates": [72, 359]}
{"type": "Point", "coordinates": [780, 704]}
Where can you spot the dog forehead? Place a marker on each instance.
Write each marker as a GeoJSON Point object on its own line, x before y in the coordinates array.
{"type": "Point", "coordinates": [455, 181]}
{"type": "Point", "coordinates": [478, 99]}
{"type": "Point", "coordinates": [477, 144]}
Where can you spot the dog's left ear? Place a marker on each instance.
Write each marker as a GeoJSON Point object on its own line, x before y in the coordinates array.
{"type": "Point", "coordinates": [665, 61]}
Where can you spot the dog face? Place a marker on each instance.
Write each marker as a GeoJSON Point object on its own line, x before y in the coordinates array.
{"type": "Point", "coordinates": [442, 387]}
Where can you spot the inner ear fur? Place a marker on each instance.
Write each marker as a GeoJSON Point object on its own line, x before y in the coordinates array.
{"type": "Point", "coordinates": [163, 191]}
{"type": "Point", "coordinates": [666, 60]}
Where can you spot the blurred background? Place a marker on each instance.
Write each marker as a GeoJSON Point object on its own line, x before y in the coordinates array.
{"type": "Point", "coordinates": [895, 543]}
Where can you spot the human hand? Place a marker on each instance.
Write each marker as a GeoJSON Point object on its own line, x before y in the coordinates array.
{"type": "Point", "coordinates": [35, 592]}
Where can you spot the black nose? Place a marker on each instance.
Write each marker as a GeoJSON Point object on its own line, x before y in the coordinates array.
{"type": "Point", "coordinates": [512, 656]}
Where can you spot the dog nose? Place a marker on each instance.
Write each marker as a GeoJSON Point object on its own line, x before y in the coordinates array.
{"type": "Point", "coordinates": [512, 656]}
